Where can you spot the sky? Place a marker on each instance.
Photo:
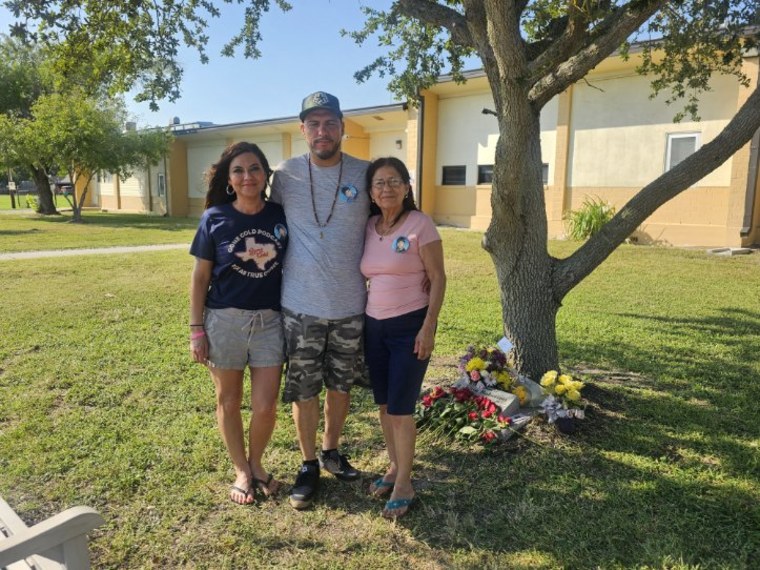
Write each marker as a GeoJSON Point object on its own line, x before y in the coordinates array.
{"type": "Point", "coordinates": [302, 52]}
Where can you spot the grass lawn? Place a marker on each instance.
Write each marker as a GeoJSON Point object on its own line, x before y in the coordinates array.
{"type": "Point", "coordinates": [100, 405]}
{"type": "Point", "coordinates": [23, 232]}
{"type": "Point", "coordinates": [5, 201]}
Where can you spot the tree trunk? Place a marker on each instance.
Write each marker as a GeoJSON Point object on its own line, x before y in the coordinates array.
{"type": "Point", "coordinates": [45, 203]}
{"type": "Point", "coordinates": [517, 242]}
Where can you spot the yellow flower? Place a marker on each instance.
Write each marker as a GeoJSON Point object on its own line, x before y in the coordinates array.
{"type": "Point", "coordinates": [573, 395]}
{"type": "Point", "coordinates": [521, 393]}
{"type": "Point", "coordinates": [577, 385]}
{"type": "Point", "coordinates": [560, 389]}
{"type": "Point", "coordinates": [549, 378]}
{"type": "Point", "coordinates": [565, 379]}
{"type": "Point", "coordinates": [475, 363]}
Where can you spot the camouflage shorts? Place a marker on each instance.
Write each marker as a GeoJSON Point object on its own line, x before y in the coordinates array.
{"type": "Point", "coordinates": [321, 351]}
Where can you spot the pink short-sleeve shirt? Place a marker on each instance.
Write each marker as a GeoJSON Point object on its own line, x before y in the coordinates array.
{"type": "Point", "coordinates": [394, 268]}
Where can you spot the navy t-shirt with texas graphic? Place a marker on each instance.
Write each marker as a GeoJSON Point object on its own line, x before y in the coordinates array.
{"type": "Point", "coordinates": [247, 251]}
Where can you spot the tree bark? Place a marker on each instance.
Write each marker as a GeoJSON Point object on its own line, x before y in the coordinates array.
{"type": "Point", "coordinates": [45, 204]}
{"type": "Point", "coordinates": [517, 239]}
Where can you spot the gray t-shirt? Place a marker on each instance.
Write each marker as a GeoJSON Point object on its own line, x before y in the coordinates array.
{"type": "Point", "coordinates": [321, 274]}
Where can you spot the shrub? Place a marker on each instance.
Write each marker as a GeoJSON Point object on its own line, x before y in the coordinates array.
{"type": "Point", "coordinates": [589, 219]}
{"type": "Point", "coordinates": [31, 202]}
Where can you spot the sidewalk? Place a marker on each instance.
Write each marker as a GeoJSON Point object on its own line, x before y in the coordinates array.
{"type": "Point", "coordinates": [91, 251]}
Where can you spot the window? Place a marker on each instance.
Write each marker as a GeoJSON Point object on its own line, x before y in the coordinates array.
{"type": "Point", "coordinates": [545, 173]}
{"type": "Point", "coordinates": [680, 147]}
{"type": "Point", "coordinates": [161, 184]}
{"type": "Point", "coordinates": [454, 175]}
{"type": "Point", "coordinates": [485, 173]}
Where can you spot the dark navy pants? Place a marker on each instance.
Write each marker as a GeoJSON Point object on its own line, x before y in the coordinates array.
{"type": "Point", "coordinates": [394, 369]}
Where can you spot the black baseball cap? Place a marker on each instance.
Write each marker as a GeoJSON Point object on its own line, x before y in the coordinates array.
{"type": "Point", "coordinates": [320, 100]}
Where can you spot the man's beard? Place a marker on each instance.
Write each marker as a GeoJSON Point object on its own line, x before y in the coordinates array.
{"type": "Point", "coordinates": [326, 153]}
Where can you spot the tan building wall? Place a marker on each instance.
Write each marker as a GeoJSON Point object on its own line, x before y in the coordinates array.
{"type": "Point", "coordinates": [179, 203]}
{"type": "Point", "coordinates": [603, 138]}
{"type": "Point", "coordinates": [429, 146]}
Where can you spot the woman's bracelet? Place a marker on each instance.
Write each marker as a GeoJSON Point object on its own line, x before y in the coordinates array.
{"type": "Point", "coordinates": [197, 335]}
{"type": "Point", "coordinates": [198, 325]}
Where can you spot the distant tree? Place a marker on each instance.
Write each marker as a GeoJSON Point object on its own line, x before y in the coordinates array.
{"type": "Point", "coordinates": [84, 137]}
{"type": "Point", "coordinates": [531, 51]}
{"type": "Point", "coordinates": [25, 76]}
{"type": "Point", "coordinates": [50, 125]}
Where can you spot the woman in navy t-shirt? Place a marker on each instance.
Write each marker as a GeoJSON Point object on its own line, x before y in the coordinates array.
{"type": "Point", "coordinates": [235, 307]}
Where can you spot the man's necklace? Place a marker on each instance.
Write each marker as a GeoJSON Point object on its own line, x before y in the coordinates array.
{"type": "Point", "coordinates": [335, 198]}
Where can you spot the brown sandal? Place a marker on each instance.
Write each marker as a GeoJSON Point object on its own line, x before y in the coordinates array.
{"type": "Point", "coordinates": [267, 488]}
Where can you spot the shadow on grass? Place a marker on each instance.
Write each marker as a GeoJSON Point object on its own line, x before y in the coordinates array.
{"type": "Point", "coordinates": [18, 232]}
{"type": "Point", "coordinates": [581, 499]}
{"type": "Point", "coordinates": [668, 456]}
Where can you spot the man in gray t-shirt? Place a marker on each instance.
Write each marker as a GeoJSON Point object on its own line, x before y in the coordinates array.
{"type": "Point", "coordinates": [323, 292]}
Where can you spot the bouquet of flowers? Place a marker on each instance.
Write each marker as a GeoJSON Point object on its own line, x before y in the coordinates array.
{"type": "Point", "coordinates": [563, 398]}
{"type": "Point", "coordinates": [461, 413]}
{"type": "Point", "coordinates": [483, 368]}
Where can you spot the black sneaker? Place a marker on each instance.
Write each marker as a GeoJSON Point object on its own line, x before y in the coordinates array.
{"type": "Point", "coordinates": [305, 487]}
{"type": "Point", "coordinates": [338, 465]}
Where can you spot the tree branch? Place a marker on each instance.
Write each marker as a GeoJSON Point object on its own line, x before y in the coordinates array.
{"type": "Point", "coordinates": [736, 134]}
{"type": "Point", "coordinates": [430, 12]}
{"type": "Point", "coordinates": [574, 35]}
{"type": "Point", "coordinates": [552, 74]}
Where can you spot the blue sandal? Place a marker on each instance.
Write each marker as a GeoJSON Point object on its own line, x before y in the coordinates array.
{"type": "Point", "coordinates": [381, 487]}
{"type": "Point", "coordinates": [396, 504]}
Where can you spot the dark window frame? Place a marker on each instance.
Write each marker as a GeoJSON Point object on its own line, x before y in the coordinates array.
{"type": "Point", "coordinates": [454, 175]}
{"type": "Point", "coordinates": [485, 173]}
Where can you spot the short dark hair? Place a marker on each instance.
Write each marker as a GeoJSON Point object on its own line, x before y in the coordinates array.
{"type": "Point", "coordinates": [399, 167]}
{"type": "Point", "coordinates": [219, 173]}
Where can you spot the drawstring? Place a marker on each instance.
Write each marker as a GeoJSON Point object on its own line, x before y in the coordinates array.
{"type": "Point", "coordinates": [251, 325]}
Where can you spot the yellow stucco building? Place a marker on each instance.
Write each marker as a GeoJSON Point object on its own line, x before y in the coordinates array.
{"type": "Point", "coordinates": [604, 137]}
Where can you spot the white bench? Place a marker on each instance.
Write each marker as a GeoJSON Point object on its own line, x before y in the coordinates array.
{"type": "Point", "coordinates": [55, 543]}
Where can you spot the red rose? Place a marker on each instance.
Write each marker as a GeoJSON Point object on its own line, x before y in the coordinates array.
{"type": "Point", "coordinates": [473, 416]}
{"type": "Point", "coordinates": [488, 436]}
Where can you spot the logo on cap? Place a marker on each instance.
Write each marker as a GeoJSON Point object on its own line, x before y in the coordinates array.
{"type": "Point", "coordinates": [320, 100]}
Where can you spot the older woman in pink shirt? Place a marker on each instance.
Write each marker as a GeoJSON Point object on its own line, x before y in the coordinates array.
{"type": "Point", "coordinates": [402, 250]}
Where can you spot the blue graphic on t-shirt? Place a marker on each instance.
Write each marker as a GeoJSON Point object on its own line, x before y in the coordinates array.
{"type": "Point", "coordinates": [348, 193]}
{"type": "Point", "coordinates": [280, 232]}
{"type": "Point", "coordinates": [400, 244]}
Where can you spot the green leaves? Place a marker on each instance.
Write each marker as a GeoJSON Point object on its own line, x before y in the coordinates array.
{"type": "Point", "coordinates": [424, 50]}
{"type": "Point", "coordinates": [589, 219]}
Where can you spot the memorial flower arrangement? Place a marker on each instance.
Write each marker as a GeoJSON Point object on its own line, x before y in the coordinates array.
{"type": "Point", "coordinates": [462, 414]}
{"type": "Point", "coordinates": [563, 396]}
{"type": "Point", "coordinates": [487, 368]}
{"type": "Point", "coordinates": [482, 368]}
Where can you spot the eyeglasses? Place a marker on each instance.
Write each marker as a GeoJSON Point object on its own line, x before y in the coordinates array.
{"type": "Point", "coordinates": [391, 183]}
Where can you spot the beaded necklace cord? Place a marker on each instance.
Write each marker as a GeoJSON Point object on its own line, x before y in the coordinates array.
{"type": "Point", "coordinates": [335, 198]}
